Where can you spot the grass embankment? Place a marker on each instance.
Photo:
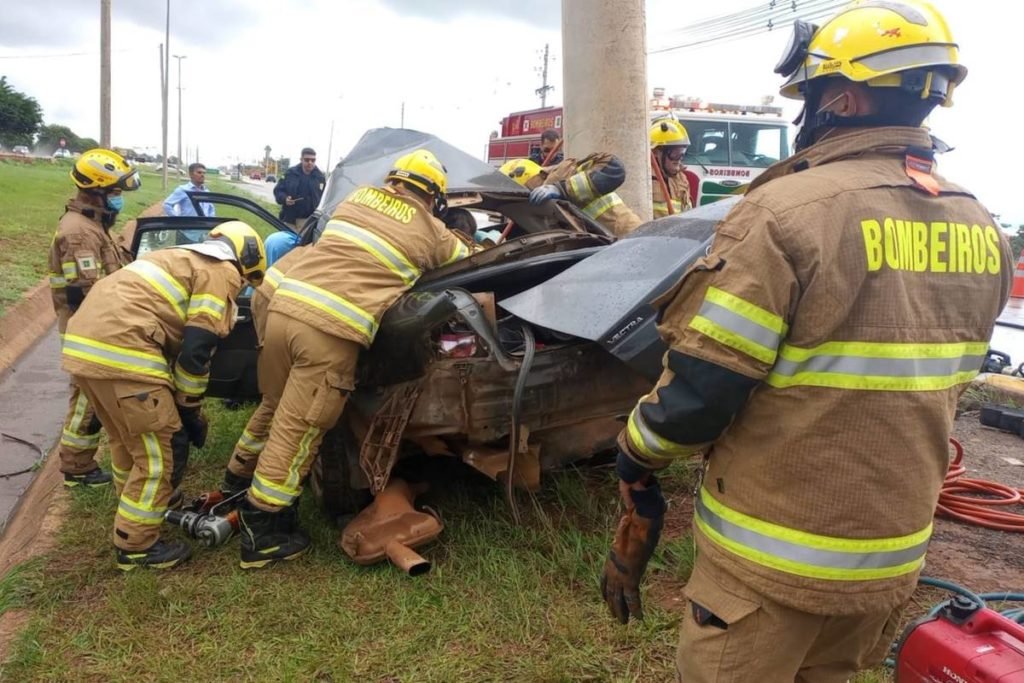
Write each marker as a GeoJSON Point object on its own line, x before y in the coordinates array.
{"type": "Point", "coordinates": [502, 602]}
{"type": "Point", "coordinates": [32, 198]}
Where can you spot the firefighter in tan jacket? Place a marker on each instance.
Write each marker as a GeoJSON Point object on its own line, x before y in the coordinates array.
{"type": "Point", "coordinates": [816, 357]}
{"type": "Point", "coordinates": [82, 252]}
{"type": "Point", "coordinates": [238, 475]}
{"type": "Point", "coordinates": [140, 349]}
{"type": "Point", "coordinates": [325, 310]}
{"type": "Point", "coordinates": [590, 184]}
{"type": "Point", "coordinates": [669, 142]}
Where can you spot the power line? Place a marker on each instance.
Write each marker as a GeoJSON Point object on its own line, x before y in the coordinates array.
{"type": "Point", "coordinates": [815, 9]}
{"type": "Point", "coordinates": [756, 16]}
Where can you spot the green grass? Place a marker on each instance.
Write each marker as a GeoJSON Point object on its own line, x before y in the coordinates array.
{"type": "Point", "coordinates": [503, 602]}
{"type": "Point", "coordinates": [32, 199]}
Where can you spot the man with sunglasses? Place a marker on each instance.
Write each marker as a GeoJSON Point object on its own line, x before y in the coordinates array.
{"type": "Point", "coordinates": [299, 190]}
{"type": "Point", "coordinates": [816, 355]}
{"type": "Point", "coordinates": [669, 142]}
{"type": "Point", "coordinates": [81, 253]}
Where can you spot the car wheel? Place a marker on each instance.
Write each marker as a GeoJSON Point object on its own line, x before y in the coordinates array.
{"type": "Point", "coordinates": [331, 475]}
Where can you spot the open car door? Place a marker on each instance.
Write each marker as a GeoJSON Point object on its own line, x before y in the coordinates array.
{"type": "Point", "coordinates": [233, 369]}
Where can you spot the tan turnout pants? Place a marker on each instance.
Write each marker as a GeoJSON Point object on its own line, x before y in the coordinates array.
{"type": "Point", "coordinates": [140, 420]}
{"type": "Point", "coordinates": [749, 637]}
{"type": "Point", "coordinates": [305, 376]}
{"type": "Point", "coordinates": [81, 435]}
{"type": "Point", "coordinates": [252, 441]}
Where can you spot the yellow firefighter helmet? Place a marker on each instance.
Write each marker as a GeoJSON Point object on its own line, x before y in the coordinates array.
{"type": "Point", "coordinates": [668, 133]}
{"type": "Point", "coordinates": [904, 44]}
{"type": "Point", "coordinates": [247, 247]}
{"type": "Point", "coordinates": [103, 169]}
{"type": "Point", "coordinates": [521, 170]}
{"type": "Point", "coordinates": [421, 169]}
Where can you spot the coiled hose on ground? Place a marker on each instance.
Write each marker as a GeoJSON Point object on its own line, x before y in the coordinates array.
{"type": "Point", "coordinates": [974, 501]}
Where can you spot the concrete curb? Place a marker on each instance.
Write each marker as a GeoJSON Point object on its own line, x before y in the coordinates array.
{"type": "Point", "coordinates": [24, 323]}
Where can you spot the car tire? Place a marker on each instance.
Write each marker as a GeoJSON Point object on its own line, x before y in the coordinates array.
{"type": "Point", "coordinates": [331, 475]}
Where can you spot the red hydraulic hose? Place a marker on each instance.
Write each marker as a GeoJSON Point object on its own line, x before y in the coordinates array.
{"type": "Point", "coordinates": [661, 181]}
{"type": "Point", "coordinates": [973, 500]}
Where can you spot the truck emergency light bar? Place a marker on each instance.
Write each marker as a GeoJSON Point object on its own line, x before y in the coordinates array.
{"type": "Point", "coordinates": [696, 105]}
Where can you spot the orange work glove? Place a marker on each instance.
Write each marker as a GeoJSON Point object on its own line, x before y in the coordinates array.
{"type": "Point", "coordinates": [635, 540]}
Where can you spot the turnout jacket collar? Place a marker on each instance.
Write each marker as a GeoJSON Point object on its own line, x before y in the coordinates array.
{"type": "Point", "coordinates": [847, 143]}
{"type": "Point", "coordinates": [89, 212]}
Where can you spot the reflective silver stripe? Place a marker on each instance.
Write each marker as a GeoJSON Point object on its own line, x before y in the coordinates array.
{"type": "Point", "coordinates": [73, 440]}
{"type": "Point", "coordinates": [805, 555]}
{"type": "Point", "coordinates": [385, 252]}
{"type": "Point", "coordinates": [113, 357]}
{"type": "Point", "coordinates": [737, 324]}
{"type": "Point", "coordinates": [273, 277]}
{"type": "Point", "coordinates": [599, 206]}
{"type": "Point", "coordinates": [163, 282]}
{"type": "Point", "coordinates": [57, 281]}
{"type": "Point", "coordinates": [580, 188]}
{"type": "Point", "coordinates": [247, 442]}
{"type": "Point", "coordinates": [271, 495]}
{"type": "Point", "coordinates": [188, 383]}
{"type": "Point", "coordinates": [206, 303]}
{"type": "Point", "coordinates": [333, 304]}
{"type": "Point", "coordinates": [140, 514]}
{"type": "Point", "coordinates": [880, 367]}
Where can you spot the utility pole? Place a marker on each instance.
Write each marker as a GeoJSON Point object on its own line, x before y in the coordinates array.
{"type": "Point", "coordinates": [604, 51]}
{"type": "Point", "coordinates": [165, 74]}
{"type": "Point", "coordinates": [402, 124]}
{"type": "Point", "coordinates": [544, 88]}
{"type": "Point", "coordinates": [179, 58]}
{"type": "Point", "coordinates": [330, 147]}
{"type": "Point", "coordinates": [105, 73]}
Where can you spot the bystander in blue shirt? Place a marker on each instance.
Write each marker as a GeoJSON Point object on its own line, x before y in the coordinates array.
{"type": "Point", "coordinates": [279, 244]}
{"type": "Point", "coordinates": [178, 202]}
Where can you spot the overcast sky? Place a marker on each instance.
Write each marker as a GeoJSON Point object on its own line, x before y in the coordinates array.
{"type": "Point", "coordinates": [267, 72]}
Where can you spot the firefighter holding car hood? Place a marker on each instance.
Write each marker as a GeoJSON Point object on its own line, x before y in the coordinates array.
{"type": "Point", "coordinates": [816, 355]}
{"type": "Point", "coordinates": [589, 184]}
{"type": "Point", "coordinates": [81, 253]}
{"type": "Point", "coordinates": [325, 310]}
{"type": "Point", "coordinates": [140, 347]}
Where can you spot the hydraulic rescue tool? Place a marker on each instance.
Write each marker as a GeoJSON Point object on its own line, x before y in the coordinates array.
{"type": "Point", "coordinates": [211, 518]}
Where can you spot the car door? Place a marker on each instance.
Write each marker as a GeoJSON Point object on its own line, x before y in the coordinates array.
{"type": "Point", "coordinates": [233, 369]}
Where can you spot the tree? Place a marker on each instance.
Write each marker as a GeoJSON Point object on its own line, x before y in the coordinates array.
{"type": "Point", "coordinates": [50, 135]}
{"type": "Point", "coordinates": [20, 116]}
{"type": "Point", "coordinates": [1017, 241]}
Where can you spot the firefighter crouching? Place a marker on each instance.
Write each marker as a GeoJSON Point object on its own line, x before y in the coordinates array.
{"type": "Point", "coordinates": [669, 142]}
{"type": "Point", "coordinates": [816, 356]}
{"type": "Point", "coordinates": [325, 310]}
{"type": "Point", "coordinates": [81, 253]}
{"type": "Point", "coordinates": [589, 184]}
{"type": "Point", "coordinates": [140, 348]}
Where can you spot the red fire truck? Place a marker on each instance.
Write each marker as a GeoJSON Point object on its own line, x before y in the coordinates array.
{"type": "Point", "coordinates": [520, 133]}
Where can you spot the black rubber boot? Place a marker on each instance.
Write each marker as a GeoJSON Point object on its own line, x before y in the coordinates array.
{"type": "Point", "coordinates": [96, 477]}
{"type": "Point", "coordinates": [233, 483]}
{"type": "Point", "coordinates": [269, 537]}
{"type": "Point", "coordinates": [160, 555]}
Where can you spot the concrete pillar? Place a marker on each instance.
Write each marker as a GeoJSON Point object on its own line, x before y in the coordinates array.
{"type": "Point", "coordinates": [604, 69]}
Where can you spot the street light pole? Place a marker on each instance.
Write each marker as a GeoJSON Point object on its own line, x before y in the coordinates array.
{"type": "Point", "coordinates": [165, 72]}
{"type": "Point", "coordinates": [179, 58]}
{"type": "Point", "coordinates": [105, 73]}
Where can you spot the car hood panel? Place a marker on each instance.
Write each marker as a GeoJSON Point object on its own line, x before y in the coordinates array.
{"type": "Point", "coordinates": [606, 297]}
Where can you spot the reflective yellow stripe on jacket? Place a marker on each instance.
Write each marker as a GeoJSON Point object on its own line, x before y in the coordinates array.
{"type": "Point", "coordinates": [740, 324]}
{"type": "Point", "coordinates": [164, 283]}
{"type": "Point", "coordinates": [878, 366]}
{"type": "Point", "coordinates": [209, 304]}
{"type": "Point", "coordinates": [661, 208]}
{"type": "Point", "coordinates": [392, 257]}
{"type": "Point", "coordinates": [189, 384]}
{"type": "Point", "coordinates": [580, 190]}
{"type": "Point", "coordinates": [647, 443]}
{"type": "Point", "coordinates": [273, 277]}
{"type": "Point", "coordinates": [57, 281]}
{"type": "Point", "coordinates": [599, 206]}
{"type": "Point", "coordinates": [70, 270]}
{"type": "Point", "coordinates": [806, 554]}
{"type": "Point", "coordinates": [117, 357]}
{"type": "Point", "coordinates": [459, 250]}
{"type": "Point", "coordinates": [332, 304]}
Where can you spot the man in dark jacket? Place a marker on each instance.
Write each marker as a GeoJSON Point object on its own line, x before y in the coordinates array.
{"type": "Point", "coordinates": [299, 191]}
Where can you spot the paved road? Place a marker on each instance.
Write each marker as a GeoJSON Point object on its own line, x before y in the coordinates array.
{"type": "Point", "coordinates": [261, 189]}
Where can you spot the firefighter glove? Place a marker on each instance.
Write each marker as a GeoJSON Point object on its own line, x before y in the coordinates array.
{"type": "Point", "coordinates": [635, 540]}
{"type": "Point", "coordinates": [194, 423]}
{"type": "Point", "coordinates": [541, 194]}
